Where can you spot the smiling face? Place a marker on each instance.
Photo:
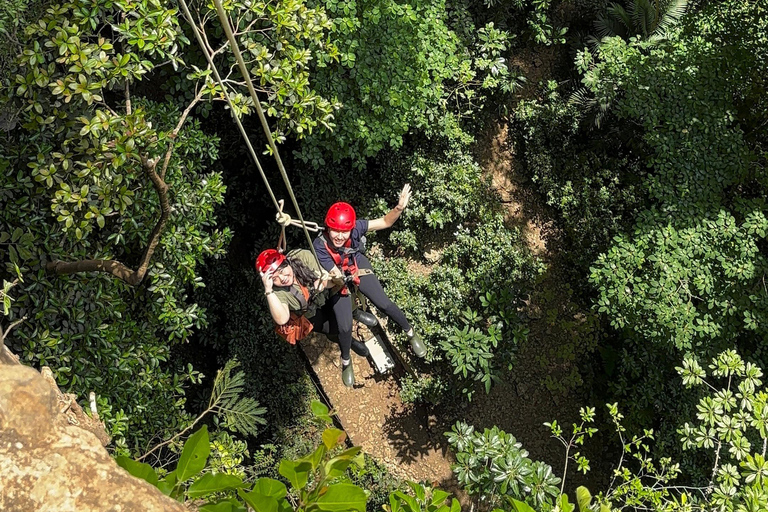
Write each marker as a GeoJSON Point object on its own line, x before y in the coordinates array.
{"type": "Point", "coordinates": [284, 276]}
{"type": "Point", "coordinates": [338, 238]}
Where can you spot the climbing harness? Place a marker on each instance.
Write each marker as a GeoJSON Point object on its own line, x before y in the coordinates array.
{"type": "Point", "coordinates": [297, 327]}
{"type": "Point", "coordinates": [344, 258]}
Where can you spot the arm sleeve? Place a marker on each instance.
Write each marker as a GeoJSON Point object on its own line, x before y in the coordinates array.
{"type": "Point", "coordinates": [322, 255]}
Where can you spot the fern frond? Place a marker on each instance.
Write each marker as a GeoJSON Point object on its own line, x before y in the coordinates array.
{"type": "Point", "coordinates": [615, 22]}
{"type": "Point", "coordinates": [644, 17]}
{"type": "Point", "coordinates": [241, 414]}
{"type": "Point", "coordinates": [674, 10]}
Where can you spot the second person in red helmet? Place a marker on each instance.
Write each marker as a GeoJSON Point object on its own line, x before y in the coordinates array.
{"type": "Point", "coordinates": [339, 250]}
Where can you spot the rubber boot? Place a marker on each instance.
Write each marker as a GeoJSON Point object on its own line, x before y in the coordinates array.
{"type": "Point", "coordinates": [348, 374]}
{"type": "Point", "coordinates": [359, 348]}
{"type": "Point", "coordinates": [365, 318]}
{"type": "Point", "coordinates": [417, 345]}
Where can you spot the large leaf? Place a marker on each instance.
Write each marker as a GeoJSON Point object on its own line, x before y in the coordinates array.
{"type": "Point", "coordinates": [138, 469]}
{"type": "Point", "coordinates": [210, 483]}
{"type": "Point", "coordinates": [332, 437]}
{"type": "Point", "coordinates": [228, 505]}
{"type": "Point", "coordinates": [296, 472]}
{"type": "Point", "coordinates": [342, 497]}
{"type": "Point", "coordinates": [259, 502]}
{"type": "Point", "coordinates": [194, 455]}
{"type": "Point", "coordinates": [167, 484]}
{"type": "Point", "coordinates": [583, 498]}
{"type": "Point", "coordinates": [270, 487]}
{"type": "Point", "coordinates": [521, 507]}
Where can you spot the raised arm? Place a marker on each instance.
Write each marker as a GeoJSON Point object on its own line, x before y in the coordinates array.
{"type": "Point", "coordinates": [389, 219]}
{"type": "Point", "coordinates": [279, 311]}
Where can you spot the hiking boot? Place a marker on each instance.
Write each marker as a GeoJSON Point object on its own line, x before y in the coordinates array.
{"type": "Point", "coordinates": [365, 318]}
{"type": "Point", "coordinates": [348, 374]}
{"type": "Point", "coordinates": [359, 348]}
{"type": "Point", "coordinates": [417, 345]}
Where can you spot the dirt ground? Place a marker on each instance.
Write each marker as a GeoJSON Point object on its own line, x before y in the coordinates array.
{"type": "Point", "coordinates": [409, 440]}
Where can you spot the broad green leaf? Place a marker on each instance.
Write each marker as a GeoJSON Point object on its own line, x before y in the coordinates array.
{"type": "Point", "coordinates": [340, 497]}
{"type": "Point", "coordinates": [520, 506]}
{"type": "Point", "coordinates": [259, 502]}
{"type": "Point", "coordinates": [137, 469]}
{"type": "Point", "coordinates": [564, 505]}
{"type": "Point", "coordinates": [194, 455]}
{"type": "Point", "coordinates": [319, 408]}
{"type": "Point", "coordinates": [167, 484]}
{"type": "Point", "coordinates": [583, 498]}
{"type": "Point", "coordinates": [410, 501]}
{"type": "Point", "coordinates": [210, 483]}
{"type": "Point", "coordinates": [439, 496]}
{"type": "Point", "coordinates": [332, 437]}
{"type": "Point", "coordinates": [270, 487]}
{"type": "Point", "coordinates": [455, 505]}
{"type": "Point", "coordinates": [316, 457]}
{"type": "Point", "coordinates": [296, 472]}
{"type": "Point", "coordinates": [228, 505]}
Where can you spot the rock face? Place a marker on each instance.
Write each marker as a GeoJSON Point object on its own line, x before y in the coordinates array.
{"type": "Point", "coordinates": [49, 464]}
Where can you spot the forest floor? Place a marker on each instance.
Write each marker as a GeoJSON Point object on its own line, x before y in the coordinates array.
{"type": "Point", "coordinates": [408, 439]}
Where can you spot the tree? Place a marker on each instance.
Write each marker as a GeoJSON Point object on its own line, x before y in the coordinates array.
{"type": "Point", "coordinates": [108, 197]}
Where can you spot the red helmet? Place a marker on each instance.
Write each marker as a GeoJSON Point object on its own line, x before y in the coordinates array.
{"type": "Point", "coordinates": [269, 260]}
{"type": "Point", "coordinates": [340, 217]}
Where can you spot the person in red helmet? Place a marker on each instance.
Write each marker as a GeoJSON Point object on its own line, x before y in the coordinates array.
{"type": "Point", "coordinates": [300, 299]}
{"type": "Point", "coordinates": [339, 250]}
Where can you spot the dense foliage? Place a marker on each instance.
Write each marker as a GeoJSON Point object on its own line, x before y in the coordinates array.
{"type": "Point", "coordinates": [123, 186]}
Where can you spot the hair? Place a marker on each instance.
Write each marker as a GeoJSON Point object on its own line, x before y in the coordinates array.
{"type": "Point", "coordinates": [303, 274]}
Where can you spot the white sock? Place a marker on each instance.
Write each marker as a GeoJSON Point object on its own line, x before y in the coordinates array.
{"type": "Point", "coordinates": [409, 333]}
{"type": "Point", "coordinates": [344, 362]}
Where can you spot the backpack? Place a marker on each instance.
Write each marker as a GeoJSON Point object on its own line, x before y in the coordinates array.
{"type": "Point", "coordinates": [298, 327]}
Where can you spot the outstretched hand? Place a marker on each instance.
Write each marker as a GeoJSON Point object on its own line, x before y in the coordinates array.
{"type": "Point", "coordinates": [405, 196]}
{"type": "Point", "coordinates": [266, 278]}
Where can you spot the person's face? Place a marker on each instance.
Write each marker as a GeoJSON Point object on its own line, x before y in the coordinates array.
{"type": "Point", "coordinates": [338, 238]}
{"type": "Point", "coordinates": [283, 276]}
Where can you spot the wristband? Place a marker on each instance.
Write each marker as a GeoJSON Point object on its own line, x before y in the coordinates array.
{"type": "Point", "coordinates": [270, 292]}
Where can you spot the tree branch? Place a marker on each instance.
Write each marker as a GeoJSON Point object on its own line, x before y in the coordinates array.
{"type": "Point", "coordinates": [127, 98]}
{"type": "Point", "coordinates": [116, 268]}
{"type": "Point", "coordinates": [176, 130]}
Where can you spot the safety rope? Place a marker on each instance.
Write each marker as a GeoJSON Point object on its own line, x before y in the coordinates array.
{"type": "Point", "coordinates": [285, 220]}
{"type": "Point", "coordinates": [282, 218]}
{"type": "Point", "coordinates": [224, 20]}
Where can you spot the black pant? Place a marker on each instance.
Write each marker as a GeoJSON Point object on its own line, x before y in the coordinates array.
{"type": "Point", "coordinates": [371, 288]}
{"type": "Point", "coordinates": [335, 320]}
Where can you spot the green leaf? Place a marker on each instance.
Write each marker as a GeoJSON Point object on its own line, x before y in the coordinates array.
{"type": "Point", "coordinates": [210, 483]}
{"type": "Point", "coordinates": [520, 506]}
{"type": "Point", "coordinates": [228, 505]}
{"type": "Point", "coordinates": [16, 234]}
{"type": "Point", "coordinates": [341, 497]}
{"type": "Point", "coordinates": [258, 501]}
{"type": "Point", "coordinates": [296, 472]}
{"type": "Point", "coordinates": [332, 437]}
{"type": "Point", "coordinates": [137, 469]}
{"type": "Point", "coordinates": [167, 484]}
{"type": "Point", "coordinates": [270, 487]}
{"type": "Point", "coordinates": [583, 498]}
{"type": "Point", "coordinates": [194, 455]}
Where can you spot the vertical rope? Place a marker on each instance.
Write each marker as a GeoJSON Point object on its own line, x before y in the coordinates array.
{"type": "Point", "coordinates": [224, 20]}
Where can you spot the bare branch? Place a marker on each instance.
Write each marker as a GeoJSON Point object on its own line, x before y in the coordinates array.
{"type": "Point", "coordinates": [176, 130]}
{"type": "Point", "coordinates": [127, 98]}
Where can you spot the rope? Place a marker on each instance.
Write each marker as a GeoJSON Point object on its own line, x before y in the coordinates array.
{"type": "Point", "coordinates": [282, 218]}
{"type": "Point", "coordinates": [224, 20]}
{"type": "Point", "coordinates": [285, 220]}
